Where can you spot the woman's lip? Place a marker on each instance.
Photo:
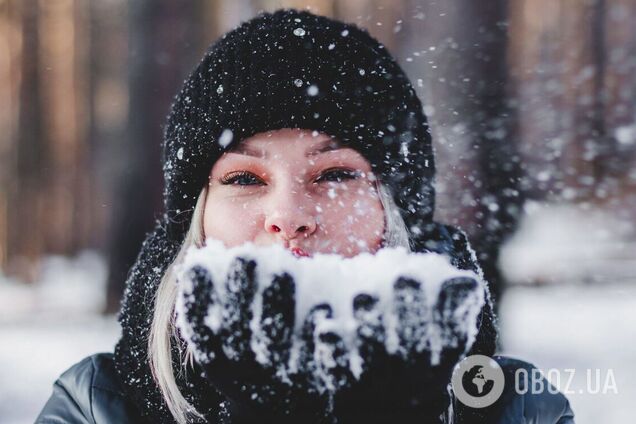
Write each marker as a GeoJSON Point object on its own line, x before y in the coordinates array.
{"type": "Point", "coordinates": [298, 252]}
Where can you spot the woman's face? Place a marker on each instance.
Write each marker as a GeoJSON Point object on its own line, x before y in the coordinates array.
{"type": "Point", "coordinates": [297, 188]}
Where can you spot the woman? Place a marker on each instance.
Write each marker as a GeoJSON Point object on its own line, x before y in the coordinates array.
{"type": "Point", "coordinates": [301, 131]}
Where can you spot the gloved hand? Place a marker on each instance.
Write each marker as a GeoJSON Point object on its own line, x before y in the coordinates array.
{"type": "Point", "coordinates": [249, 367]}
{"type": "Point", "coordinates": [409, 384]}
{"type": "Point", "coordinates": [393, 361]}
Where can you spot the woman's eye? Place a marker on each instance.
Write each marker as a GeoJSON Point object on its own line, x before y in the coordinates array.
{"type": "Point", "coordinates": [338, 175]}
{"type": "Point", "coordinates": [241, 178]}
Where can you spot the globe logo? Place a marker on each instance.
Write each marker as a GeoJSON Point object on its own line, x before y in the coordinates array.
{"type": "Point", "coordinates": [478, 381]}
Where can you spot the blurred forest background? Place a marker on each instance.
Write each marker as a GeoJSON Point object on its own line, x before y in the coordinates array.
{"type": "Point", "coordinates": [528, 100]}
{"type": "Point", "coordinates": [532, 105]}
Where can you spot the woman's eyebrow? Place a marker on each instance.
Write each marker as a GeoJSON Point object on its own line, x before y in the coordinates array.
{"type": "Point", "coordinates": [327, 146]}
{"type": "Point", "coordinates": [244, 150]}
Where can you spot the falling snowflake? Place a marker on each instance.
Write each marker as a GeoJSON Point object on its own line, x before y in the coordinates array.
{"type": "Point", "coordinates": [312, 90]}
{"type": "Point", "coordinates": [404, 149]}
{"type": "Point", "coordinates": [226, 137]}
{"type": "Point", "coordinates": [626, 135]}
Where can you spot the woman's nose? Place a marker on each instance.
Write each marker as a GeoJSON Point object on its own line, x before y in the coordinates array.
{"type": "Point", "coordinates": [290, 218]}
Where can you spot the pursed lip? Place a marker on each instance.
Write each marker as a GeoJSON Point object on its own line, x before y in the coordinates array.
{"type": "Point", "coordinates": [299, 252]}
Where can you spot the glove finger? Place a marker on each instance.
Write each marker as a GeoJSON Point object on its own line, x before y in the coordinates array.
{"type": "Point", "coordinates": [456, 297]}
{"type": "Point", "coordinates": [277, 320]}
{"type": "Point", "coordinates": [330, 352]}
{"type": "Point", "coordinates": [311, 349]}
{"type": "Point", "coordinates": [370, 333]}
{"type": "Point", "coordinates": [198, 304]}
{"type": "Point", "coordinates": [413, 320]}
{"type": "Point", "coordinates": [306, 362]}
{"type": "Point", "coordinates": [367, 394]}
{"type": "Point", "coordinates": [240, 289]}
{"type": "Point", "coordinates": [333, 360]}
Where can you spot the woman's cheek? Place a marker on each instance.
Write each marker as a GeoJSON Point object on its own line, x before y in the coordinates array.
{"type": "Point", "coordinates": [352, 220]}
{"type": "Point", "coordinates": [366, 224]}
{"type": "Point", "coordinates": [234, 221]}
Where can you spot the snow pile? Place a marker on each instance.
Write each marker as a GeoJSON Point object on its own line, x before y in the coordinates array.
{"type": "Point", "coordinates": [336, 281]}
{"type": "Point", "coordinates": [572, 333]}
{"type": "Point", "coordinates": [566, 243]}
{"type": "Point", "coordinates": [65, 287]}
{"type": "Point", "coordinates": [48, 325]}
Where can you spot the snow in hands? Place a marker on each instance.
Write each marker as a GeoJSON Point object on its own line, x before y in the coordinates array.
{"type": "Point", "coordinates": [321, 321]}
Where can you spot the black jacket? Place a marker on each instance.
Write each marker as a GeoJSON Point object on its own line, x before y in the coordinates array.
{"type": "Point", "coordinates": [92, 392]}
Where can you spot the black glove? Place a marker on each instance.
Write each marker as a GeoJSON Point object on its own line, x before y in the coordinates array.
{"type": "Point", "coordinates": [255, 387]}
{"type": "Point", "coordinates": [405, 349]}
{"type": "Point", "coordinates": [410, 384]}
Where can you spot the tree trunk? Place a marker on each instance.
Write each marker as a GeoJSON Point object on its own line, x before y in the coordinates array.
{"type": "Point", "coordinates": [456, 55]}
{"type": "Point", "coordinates": [161, 39]}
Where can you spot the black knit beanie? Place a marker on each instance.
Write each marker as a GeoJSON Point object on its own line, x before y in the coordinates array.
{"type": "Point", "coordinates": [287, 69]}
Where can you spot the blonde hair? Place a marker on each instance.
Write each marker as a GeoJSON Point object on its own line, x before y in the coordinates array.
{"type": "Point", "coordinates": [163, 329]}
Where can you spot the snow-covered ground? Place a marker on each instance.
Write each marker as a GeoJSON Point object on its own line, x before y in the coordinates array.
{"type": "Point", "coordinates": [46, 327]}
{"type": "Point", "coordinates": [581, 316]}
{"type": "Point", "coordinates": [580, 328]}
{"type": "Point", "coordinates": [33, 353]}
{"type": "Point", "coordinates": [564, 243]}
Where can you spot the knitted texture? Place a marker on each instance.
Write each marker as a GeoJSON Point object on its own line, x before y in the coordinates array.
{"type": "Point", "coordinates": [135, 317]}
